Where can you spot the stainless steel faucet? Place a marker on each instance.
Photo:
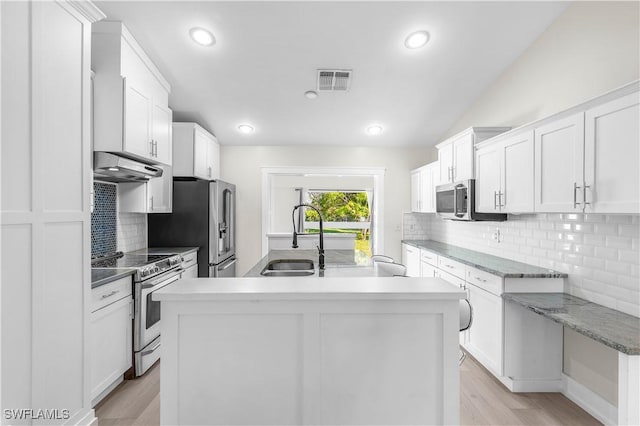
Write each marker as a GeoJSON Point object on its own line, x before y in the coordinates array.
{"type": "Point", "coordinates": [295, 234]}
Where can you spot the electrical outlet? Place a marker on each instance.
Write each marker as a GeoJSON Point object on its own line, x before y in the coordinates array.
{"type": "Point", "coordinates": [496, 235]}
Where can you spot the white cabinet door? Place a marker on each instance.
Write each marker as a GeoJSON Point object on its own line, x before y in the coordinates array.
{"type": "Point", "coordinates": [411, 259]}
{"type": "Point", "coordinates": [428, 181]}
{"type": "Point", "coordinates": [517, 174]}
{"type": "Point", "coordinates": [201, 155]}
{"type": "Point", "coordinates": [214, 158]}
{"type": "Point", "coordinates": [110, 340]}
{"type": "Point", "coordinates": [415, 191]}
{"type": "Point", "coordinates": [137, 138]}
{"type": "Point", "coordinates": [488, 178]}
{"type": "Point", "coordinates": [559, 153]}
{"type": "Point", "coordinates": [485, 334]}
{"type": "Point", "coordinates": [463, 158]}
{"type": "Point", "coordinates": [612, 150]}
{"type": "Point", "coordinates": [427, 270]}
{"type": "Point", "coordinates": [445, 159]}
{"type": "Point", "coordinates": [160, 192]}
{"type": "Point", "coordinates": [162, 117]}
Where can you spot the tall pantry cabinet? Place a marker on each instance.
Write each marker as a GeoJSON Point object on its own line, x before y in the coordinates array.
{"type": "Point", "coordinates": [46, 184]}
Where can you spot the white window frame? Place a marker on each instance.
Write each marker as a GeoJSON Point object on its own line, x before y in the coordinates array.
{"type": "Point", "coordinates": [377, 173]}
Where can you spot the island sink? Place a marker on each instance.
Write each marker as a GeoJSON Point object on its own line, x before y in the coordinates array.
{"type": "Point", "coordinates": [288, 268]}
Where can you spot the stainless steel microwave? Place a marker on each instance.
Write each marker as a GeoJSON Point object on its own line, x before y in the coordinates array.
{"type": "Point", "coordinates": [457, 201]}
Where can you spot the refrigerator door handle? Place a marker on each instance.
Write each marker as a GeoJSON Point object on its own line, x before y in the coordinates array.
{"type": "Point", "coordinates": [227, 265]}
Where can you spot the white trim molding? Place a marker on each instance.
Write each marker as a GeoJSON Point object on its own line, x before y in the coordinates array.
{"type": "Point", "coordinates": [589, 401]}
{"type": "Point", "coordinates": [377, 173]}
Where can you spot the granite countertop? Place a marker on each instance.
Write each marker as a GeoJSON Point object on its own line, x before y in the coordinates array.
{"type": "Point", "coordinates": [492, 264]}
{"type": "Point", "coordinates": [337, 262]}
{"type": "Point", "coordinates": [613, 328]}
{"type": "Point", "coordinates": [102, 276]}
{"type": "Point", "coordinates": [166, 250]}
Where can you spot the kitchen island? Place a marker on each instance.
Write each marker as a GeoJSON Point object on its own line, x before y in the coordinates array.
{"type": "Point", "coordinates": [310, 350]}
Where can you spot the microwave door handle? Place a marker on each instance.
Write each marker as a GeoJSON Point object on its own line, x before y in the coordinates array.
{"type": "Point", "coordinates": [455, 200]}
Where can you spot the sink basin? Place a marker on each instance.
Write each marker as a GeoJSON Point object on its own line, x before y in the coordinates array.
{"type": "Point", "coordinates": [288, 268]}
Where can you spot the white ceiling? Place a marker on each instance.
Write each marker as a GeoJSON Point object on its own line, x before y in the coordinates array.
{"type": "Point", "coordinates": [267, 54]}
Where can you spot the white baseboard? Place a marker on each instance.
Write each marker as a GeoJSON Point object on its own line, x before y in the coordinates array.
{"type": "Point", "coordinates": [520, 385]}
{"type": "Point", "coordinates": [590, 401]}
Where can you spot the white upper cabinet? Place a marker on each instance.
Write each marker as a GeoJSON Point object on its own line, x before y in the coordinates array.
{"type": "Point", "coordinates": [423, 183]}
{"type": "Point", "coordinates": [612, 150]}
{"type": "Point", "coordinates": [559, 166]}
{"type": "Point", "coordinates": [154, 196]}
{"type": "Point", "coordinates": [456, 154]}
{"type": "Point", "coordinates": [488, 178]}
{"type": "Point", "coordinates": [196, 152]}
{"type": "Point", "coordinates": [415, 191]}
{"type": "Point", "coordinates": [504, 174]}
{"type": "Point", "coordinates": [516, 188]}
{"type": "Point", "coordinates": [131, 109]}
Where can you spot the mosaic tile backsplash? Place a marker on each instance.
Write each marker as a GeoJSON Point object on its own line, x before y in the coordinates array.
{"type": "Point", "coordinates": [103, 219]}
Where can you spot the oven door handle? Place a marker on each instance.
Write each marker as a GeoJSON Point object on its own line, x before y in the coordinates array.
{"type": "Point", "coordinates": [152, 350]}
{"type": "Point", "coordinates": [161, 281]}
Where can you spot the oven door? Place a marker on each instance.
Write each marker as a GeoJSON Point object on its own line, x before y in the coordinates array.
{"type": "Point", "coordinates": [147, 316]}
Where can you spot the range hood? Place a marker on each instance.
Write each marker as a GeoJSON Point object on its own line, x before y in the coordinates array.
{"type": "Point", "coordinates": [113, 168]}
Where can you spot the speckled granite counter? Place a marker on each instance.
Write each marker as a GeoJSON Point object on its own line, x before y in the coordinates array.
{"type": "Point", "coordinates": [102, 276]}
{"type": "Point", "coordinates": [337, 262]}
{"type": "Point", "coordinates": [608, 326]}
{"type": "Point", "coordinates": [492, 264]}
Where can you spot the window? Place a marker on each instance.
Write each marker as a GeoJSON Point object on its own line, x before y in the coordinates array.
{"type": "Point", "coordinates": [343, 212]}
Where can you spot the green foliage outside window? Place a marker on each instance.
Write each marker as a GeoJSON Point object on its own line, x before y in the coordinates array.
{"type": "Point", "coordinates": [338, 207]}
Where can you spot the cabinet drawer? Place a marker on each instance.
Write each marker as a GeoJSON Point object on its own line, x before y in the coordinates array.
{"type": "Point", "coordinates": [430, 258]}
{"type": "Point", "coordinates": [485, 281]}
{"type": "Point", "coordinates": [189, 259]}
{"type": "Point", "coordinates": [452, 279]}
{"type": "Point", "coordinates": [109, 293]}
{"type": "Point", "coordinates": [452, 267]}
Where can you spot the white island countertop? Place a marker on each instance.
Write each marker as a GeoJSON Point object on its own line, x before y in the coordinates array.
{"type": "Point", "coordinates": [309, 288]}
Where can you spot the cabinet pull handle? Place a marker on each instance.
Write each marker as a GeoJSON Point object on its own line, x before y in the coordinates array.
{"type": "Point", "coordinates": [151, 147]}
{"type": "Point", "coordinates": [575, 196]}
{"type": "Point", "coordinates": [209, 171]}
{"type": "Point", "coordinates": [105, 296]}
{"type": "Point", "coordinates": [187, 260]}
{"type": "Point", "coordinates": [500, 194]}
{"type": "Point", "coordinates": [495, 202]}
{"type": "Point", "coordinates": [151, 203]}
{"type": "Point", "coordinates": [480, 279]}
{"type": "Point", "coordinates": [584, 194]}
{"type": "Point", "coordinates": [448, 266]}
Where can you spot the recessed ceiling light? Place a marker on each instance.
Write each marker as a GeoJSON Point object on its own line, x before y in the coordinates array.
{"type": "Point", "coordinates": [310, 94]}
{"type": "Point", "coordinates": [245, 128]}
{"type": "Point", "coordinates": [374, 130]}
{"type": "Point", "coordinates": [202, 37]}
{"type": "Point", "coordinates": [416, 40]}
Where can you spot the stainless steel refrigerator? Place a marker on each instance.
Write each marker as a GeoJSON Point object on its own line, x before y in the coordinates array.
{"type": "Point", "coordinates": [203, 216]}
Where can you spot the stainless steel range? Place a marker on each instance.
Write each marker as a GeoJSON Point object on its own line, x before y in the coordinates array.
{"type": "Point", "coordinates": [152, 273]}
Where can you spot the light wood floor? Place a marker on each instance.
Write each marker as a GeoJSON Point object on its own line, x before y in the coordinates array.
{"type": "Point", "coordinates": [483, 401]}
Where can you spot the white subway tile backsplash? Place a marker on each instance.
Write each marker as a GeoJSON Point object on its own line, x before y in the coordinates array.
{"type": "Point", "coordinates": [601, 253]}
{"type": "Point", "coordinates": [131, 231]}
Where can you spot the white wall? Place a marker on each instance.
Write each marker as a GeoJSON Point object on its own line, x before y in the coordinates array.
{"type": "Point", "coordinates": [242, 166]}
{"type": "Point", "coordinates": [593, 47]}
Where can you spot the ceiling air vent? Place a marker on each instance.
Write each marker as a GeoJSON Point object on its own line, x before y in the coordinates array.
{"type": "Point", "coordinates": [334, 80]}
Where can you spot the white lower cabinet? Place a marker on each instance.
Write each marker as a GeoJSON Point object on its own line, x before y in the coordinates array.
{"type": "Point", "coordinates": [497, 330]}
{"type": "Point", "coordinates": [411, 259]}
{"type": "Point", "coordinates": [190, 272]}
{"type": "Point", "coordinates": [110, 336]}
{"type": "Point", "coordinates": [486, 332]}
